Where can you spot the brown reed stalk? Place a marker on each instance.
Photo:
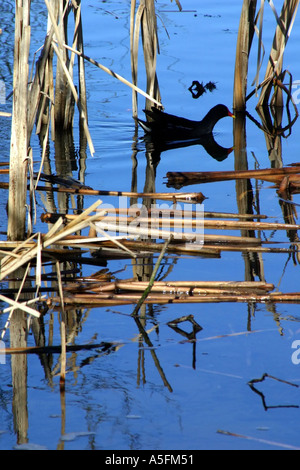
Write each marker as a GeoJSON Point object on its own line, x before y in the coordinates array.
{"type": "Point", "coordinates": [26, 252]}
{"type": "Point", "coordinates": [191, 223]}
{"type": "Point", "coordinates": [134, 38]}
{"type": "Point", "coordinates": [187, 198]}
{"type": "Point", "coordinates": [78, 33]}
{"type": "Point", "coordinates": [144, 20]}
{"type": "Point", "coordinates": [96, 299]}
{"type": "Point", "coordinates": [274, 68]}
{"type": "Point", "coordinates": [244, 41]}
{"type": "Point", "coordinates": [160, 212]}
{"type": "Point", "coordinates": [274, 175]}
{"type": "Point", "coordinates": [19, 133]}
{"type": "Point", "coordinates": [114, 74]}
{"type": "Point", "coordinates": [182, 286]}
{"type": "Point", "coordinates": [39, 87]}
{"type": "Point", "coordinates": [57, 12]}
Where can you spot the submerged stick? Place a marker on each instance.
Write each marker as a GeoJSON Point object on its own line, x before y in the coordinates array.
{"type": "Point", "coordinates": [261, 441]}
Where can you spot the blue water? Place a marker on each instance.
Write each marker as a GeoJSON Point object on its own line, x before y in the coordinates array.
{"type": "Point", "coordinates": [177, 394]}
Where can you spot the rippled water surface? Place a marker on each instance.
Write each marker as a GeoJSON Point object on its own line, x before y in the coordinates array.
{"type": "Point", "coordinates": [172, 393]}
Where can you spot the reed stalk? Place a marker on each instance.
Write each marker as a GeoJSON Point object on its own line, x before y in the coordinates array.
{"type": "Point", "coordinates": [19, 136]}
{"type": "Point", "coordinates": [114, 74]}
{"type": "Point", "coordinates": [274, 68]}
{"type": "Point", "coordinates": [145, 232]}
{"type": "Point", "coordinates": [144, 20]}
{"type": "Point", "coordinates": [26, 253]}
{"type": "Point", "coordinates": [104, 300]}
{"type": "Point", "coordinates": [244, 41]}
{"type": "Point", "coordinates": [187, 198]}
{"type": "Point", "coordinates": [273, 175]}
{"type": "Point", "coordinates": [189, 223]}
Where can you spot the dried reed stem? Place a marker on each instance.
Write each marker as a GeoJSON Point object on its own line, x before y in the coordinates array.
{"type": "Point", "coordinates": [19, 136]}
{"type": "Point", "coordinates": [282, 34]}
{"type": "Point", "coordinates": [10, 264]}
{"type": "Point", "coordinates": [96, 299]}
{"type": "Point", "coordinates": [188, 198]}
{"type": "Point", "coordinates": [114, 74]}
{"type": "Point", "coordinates": [244, 41]}
{"type": "Point", "coordinates": [274, 175]}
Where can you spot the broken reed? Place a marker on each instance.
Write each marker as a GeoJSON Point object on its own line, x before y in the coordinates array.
{"type": "Point", "coordinates": [104, 300]}
{"type": "Point", "coordinates": [96, 291]}
{"type": "Point", "coordinates": [188, 223]}
{"type": "Point", "coordinates": [272, 175]}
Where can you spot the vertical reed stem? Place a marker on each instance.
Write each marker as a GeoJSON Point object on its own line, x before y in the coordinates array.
{"type": "Point", "coordinates": [274, 68]}
{"type": "Point", "coordinates": [19, 137]}
{"type": "Point", "coordinates": [245, 36]}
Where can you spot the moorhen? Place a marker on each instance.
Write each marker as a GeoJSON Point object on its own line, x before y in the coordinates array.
{"type": "Point", "coordinates": [169, 128]}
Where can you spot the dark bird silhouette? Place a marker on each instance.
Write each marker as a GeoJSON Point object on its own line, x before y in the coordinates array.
{"type": "Point", "coordinates": [166, 131]}
{"type": "Point", "coordinates": [171, 127]}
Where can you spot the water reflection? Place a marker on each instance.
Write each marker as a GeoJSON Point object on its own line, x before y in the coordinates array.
{"type": "Point", "coordinates": [262, 395]}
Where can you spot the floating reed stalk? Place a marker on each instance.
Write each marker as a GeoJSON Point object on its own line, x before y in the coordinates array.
{"type": "Point", "coordinates": [52, 217]}
{"type": "Point", "coordinates": [197, 235]}
{"type": "Point", "coordinates": [96, 299]}
{"type": "Point", "coordinates": [189, 223]}
{"type": "Point", "coordinates": [191, 198]}
{"type": "Point", "coordinates": [190, 287]}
